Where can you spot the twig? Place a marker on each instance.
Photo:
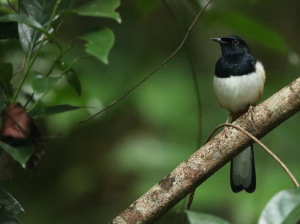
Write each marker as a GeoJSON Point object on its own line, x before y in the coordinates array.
{"type": "Point", "coordinates": [75, 61]}
{"type": "Point", "coordinates": [147, 77]}
{"type": "Point", "coordinates": [23, 63]}
{"type": "Point", "coordinates": [261, 144]}
{"type": "Point", "coordinates": [29, 99]}
{"type": "Point", "coordinates": [12, 6]}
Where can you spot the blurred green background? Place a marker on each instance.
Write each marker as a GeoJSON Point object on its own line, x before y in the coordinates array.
{"type": "Point", "coordinates": [95, 170]}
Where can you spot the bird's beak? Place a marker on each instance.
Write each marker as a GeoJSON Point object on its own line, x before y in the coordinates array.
{"type": "Point", "coordinates": [218, 40]}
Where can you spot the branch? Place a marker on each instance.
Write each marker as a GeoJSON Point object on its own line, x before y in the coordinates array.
{"type": "Point", "coordinates": [12, 6]}
{"type": "Point", "coordinates": [211, 157]}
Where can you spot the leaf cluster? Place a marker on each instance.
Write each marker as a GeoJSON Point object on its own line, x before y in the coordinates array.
{"type": "Point", "coordinates": [36, 24]}
{"type": "Point", "coordinates": [283, 208]}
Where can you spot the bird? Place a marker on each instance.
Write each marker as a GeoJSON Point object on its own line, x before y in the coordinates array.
{"type": "Point", "coordinates": [238, 85]}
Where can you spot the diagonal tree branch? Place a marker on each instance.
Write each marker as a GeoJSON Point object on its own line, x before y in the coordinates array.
{"type": "Point", "coordinates": [211, 157]}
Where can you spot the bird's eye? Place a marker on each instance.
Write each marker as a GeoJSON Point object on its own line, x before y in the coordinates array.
{"type": "Point", "coordinates": [235, 42]}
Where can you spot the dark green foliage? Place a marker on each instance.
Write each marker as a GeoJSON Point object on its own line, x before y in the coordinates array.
{"type": "Point", "coordinates": [9, 208]}
{"type": "Point", "coordinates": [73, 80]}
{"type": "Point", "coordinates": [6, 71]}
{"type": "Point", "coordinates": [34, 25]}
{"type": "Point", "coordinates": [9, 30]}
{"type": "Point", "coordinates": [40, 11]}
{"type": "Point", "coordinates": [26, 40]}
{"type": "Point", "coordinates": [20, 153]}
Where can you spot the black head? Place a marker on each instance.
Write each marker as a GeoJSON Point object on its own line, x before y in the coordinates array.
{"type": "Point", "coordinates": [232, 45]}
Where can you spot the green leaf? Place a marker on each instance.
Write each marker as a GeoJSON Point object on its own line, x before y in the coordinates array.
{"type": "Point", "coordinates": [6, 71]}
{"type": "Point", "coordinates": [42, 84]}
{"type": "Point", "coordinates": [40, 11]}
{"type": "Point", "coordinates": [19, 153]}
{"type": "Point", "coordinates": [74, 80]}
{"type": "Point", "coordinates": [9, 208]}
{"type": "Point", "coordinates": [283, 208]}
{"type": "Point", "coordinates": [9, 30]}
{"type": "Point", "coordinates": [100, 8]}
{"type": "Point", "coordinates": [99, 43]}
{"type": "Point", "coordinates": [200, 218]}
{"type": "Point", "coordinates": [250, 28]}
{"type": "Point", "coordinates": [71, 76]}
{"type": "Point", "coordinates": [31, 23]}
{"type": "Point", "coordinates": [9, 203]}
{"type": "Point", "coordinates": [36, 113]}
{"type": "Point", "coordinates": [7, 219]}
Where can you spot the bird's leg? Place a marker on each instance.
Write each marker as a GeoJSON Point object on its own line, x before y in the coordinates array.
{"type": "Point", "coordinates": [226, 127]}
{"type": "Point", "coordinates": [250, 112]}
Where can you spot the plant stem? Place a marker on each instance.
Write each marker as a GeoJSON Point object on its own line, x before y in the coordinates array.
{"type": "Point", "coordinates": [21, 83]}
{"type": "Point", "coordinates": [63, 72]}
{"type": "Point", "coordinates": [29, 62]}
{"type": "Point", "coordinates": [58, 59]}
{"type": "Point", "coordinates": [75, 61]}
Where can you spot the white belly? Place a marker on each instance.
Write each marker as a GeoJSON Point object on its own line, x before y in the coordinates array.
{"type": "Point", "coordinates": [236, 93]}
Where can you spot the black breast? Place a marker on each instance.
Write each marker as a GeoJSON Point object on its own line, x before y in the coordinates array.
{"type": "Point", "coordinates": [235, 65]}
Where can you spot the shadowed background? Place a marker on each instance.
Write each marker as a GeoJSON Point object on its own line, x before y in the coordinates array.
{"type": "Point", "coordinates": [95, 170]}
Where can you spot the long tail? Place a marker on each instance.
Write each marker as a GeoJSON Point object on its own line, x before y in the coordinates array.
{"type": "Point", "coordinates": [242, 171]}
